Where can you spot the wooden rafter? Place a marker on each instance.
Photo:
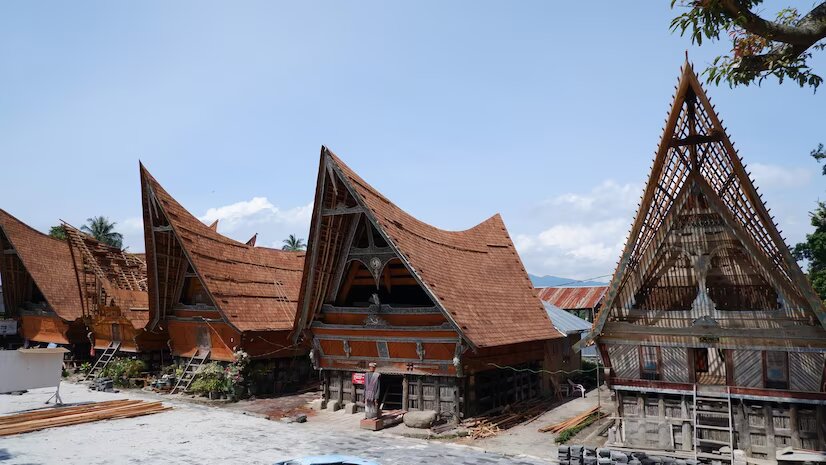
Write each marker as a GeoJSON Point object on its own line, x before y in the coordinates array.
{"type": "Point", "coordinates": [714, 164]}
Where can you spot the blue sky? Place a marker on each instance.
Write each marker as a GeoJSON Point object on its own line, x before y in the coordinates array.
{"type": "Point", "coordinates": [547, 112]}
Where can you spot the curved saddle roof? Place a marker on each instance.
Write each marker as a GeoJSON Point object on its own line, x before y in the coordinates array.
{"type": "Point", "coordinates": [49, 262]}
{"type": "Point", "coordinates": [475, 275]}
{"type": "Point", "coordinates": [255, 288]}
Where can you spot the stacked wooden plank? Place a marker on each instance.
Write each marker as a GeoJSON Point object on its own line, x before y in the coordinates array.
{"type": "Point", "coordinates": [65, 416]}
{"type": "Point", "coordinates": [489, 425]}
{"type": "Point", "coordinates": [572, 422]}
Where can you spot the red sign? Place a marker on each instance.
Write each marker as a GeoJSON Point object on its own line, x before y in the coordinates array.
{"type": "Point", "coordinates": [358, 378]}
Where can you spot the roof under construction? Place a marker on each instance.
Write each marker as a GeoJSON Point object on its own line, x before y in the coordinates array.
{"type": "Point", "coordinates": [111, 276]}
{"type": "Point", "coordinates": [255, 288]}
{"type": "Point", "coordinates": [703, 240]}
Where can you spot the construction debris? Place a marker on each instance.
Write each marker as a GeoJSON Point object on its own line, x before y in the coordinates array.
{"type": "Point", "coordinates": [572, 422]}
{"type": "Point", "coordinates": [86, 413]}
{"type": "Point", "coordinates": [492, 423]}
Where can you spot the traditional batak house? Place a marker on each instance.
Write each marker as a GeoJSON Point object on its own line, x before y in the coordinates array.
{"type": "Point", "coordinates": [40, 288]}
{"type": "Point", "coordinates": [582, 301]}
{"type": "Point", "coordinates": [713, 336]}
{"type": "Point", "coordinates": [449, 318]}
{"type": "Point", "coordinates": [216, 295]}
{"type": "Point", "coordinates": [114, 299]}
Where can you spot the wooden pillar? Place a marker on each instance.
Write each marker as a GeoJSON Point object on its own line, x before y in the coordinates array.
{"type": "Point", "coordinates": [438, 394]}
{"type": "Point", "coordinates": [821, 426]}
{"type": "Point", "coordinates": [457, 399]}
{"type": "Point", "coordinates": [741, 423]}
{"type": "Point", "coordinates": [665, 437]}
{"type": "Point", "coordinates": [687, 434]}
{"type": "Point", "coordinates": [794, 426]}
{"type": "Point", "coordinates": [420, 392]}
{"type": "Point", "coordinates": [405, 393]}
{"type": "Point", "coordinates": [340, 388]}
{"type": "Point", "coordinates": [771, 445]}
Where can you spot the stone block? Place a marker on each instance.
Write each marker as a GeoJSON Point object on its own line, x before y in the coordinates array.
{"type": "Point", "coordinates": [420, 419]}
{"type": "Point", "coordinates": [333, 406]}
{"type": "Point", "coordinates": [350, 407]}
{"type": "Point", "coordinates": [317, 405]}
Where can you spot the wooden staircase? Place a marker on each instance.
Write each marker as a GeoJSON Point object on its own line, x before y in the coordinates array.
{"type": "Point", "coordinates": [392, 398]}
{"type": "Point", "coordinates": [104, 359]}
{"type": "Point", "coordinates": [191, 369]}
{"type": "Point", "coordinates": [713, 424]}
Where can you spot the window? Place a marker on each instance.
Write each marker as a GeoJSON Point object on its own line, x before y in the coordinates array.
{"type": "Point", "coordinates": [700, 360]}
{"type": "Point", "coordinates": [650, 362]}
{"type": "Point", "coordinates": [776, 369]}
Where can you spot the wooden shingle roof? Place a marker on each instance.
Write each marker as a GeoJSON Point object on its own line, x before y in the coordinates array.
{"type": "Point", "coordinates": [475, 276]}
{"type": "Point", "coordinates": [49, 262]}
{"type": "Point", "coordinates": [255, 288]}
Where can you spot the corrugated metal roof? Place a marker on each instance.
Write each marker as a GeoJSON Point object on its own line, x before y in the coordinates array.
{"type": "Point", "coordinates": [565, 322]}
{"type": "Point", "coordinates": [573, 298]}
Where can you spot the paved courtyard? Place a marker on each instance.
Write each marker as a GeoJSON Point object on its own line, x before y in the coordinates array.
{"type": "Point", "coordinates": [200, 434]}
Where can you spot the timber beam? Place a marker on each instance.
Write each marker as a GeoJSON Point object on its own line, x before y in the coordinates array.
{"type": "Point", "coordinates": [341, 211]}
{"type": "Point", "coordinates": [696, 139]}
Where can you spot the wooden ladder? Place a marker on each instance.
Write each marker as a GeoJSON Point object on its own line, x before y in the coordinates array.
{"type": "Point", "coordinates": [718, 417]}
{"type": "Point", "coordinates": [104, 359]}
{"type": "Point", "coordinates": [198, 359]}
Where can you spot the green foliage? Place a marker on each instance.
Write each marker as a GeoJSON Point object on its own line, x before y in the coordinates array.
{"type": "Point", "coordinates": [215, 377]}
{"type": "Point", "coordinates": [103, 230]}
{"type": "Point", "coordinates": [85, 367]}
{"type": "Point", "coordinates": [568, 433]}
{"type": "Point", "coordinates": [58, 232]}
{"type": "Point", "coordinates": [753, 57]}
{"type": "Point", "coordinates": [819, 154]}
{"type": "Point", "coordinates": [814, 249]}
{"type": "Point", "coordinates": [294, 244]}
{"type": "Point", "coordinates": [210, 378]}
{"type": "Point", "coordinates": [121, 369]}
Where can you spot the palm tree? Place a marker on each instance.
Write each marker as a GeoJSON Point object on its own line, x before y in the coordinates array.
{"type": "Point", "coordinates": [103, 230]}
{"type": "Point", "coordinates": [294, 244]}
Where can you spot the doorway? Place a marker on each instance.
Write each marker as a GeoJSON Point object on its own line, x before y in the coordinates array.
{"type": "Point", "coordinates": [116, 332]}
{"type": "Point", "coordinates": [390, 392]}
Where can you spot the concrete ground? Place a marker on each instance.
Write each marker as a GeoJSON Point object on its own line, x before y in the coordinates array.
{"type": "Point", "coordinates": [194, 433]}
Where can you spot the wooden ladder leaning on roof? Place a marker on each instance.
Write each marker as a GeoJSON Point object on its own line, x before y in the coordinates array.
{"type": "Point", "coordinates": [716, 416]}
{"type": "Point", "coordinates": [104, 359]}
{"type": "Point", "coordinates": [198, 359]}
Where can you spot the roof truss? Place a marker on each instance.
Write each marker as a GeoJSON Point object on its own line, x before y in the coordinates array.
{"type": "Point", "coordinates": [695, 146]}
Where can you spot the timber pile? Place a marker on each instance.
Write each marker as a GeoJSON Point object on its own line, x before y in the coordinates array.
{"type": "Point", "coordinates": [490, 424]}
{"type": "Point", "coordinates": [65, 416]}
{"type": "Point", "coordinates": [572, 422]}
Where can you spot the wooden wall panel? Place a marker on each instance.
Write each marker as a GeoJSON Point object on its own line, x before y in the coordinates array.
{"type": "Point", "coordinates": [184, 337]}
{"type": "Point", "coordinates": [675, 364]}
{"type": "Point", "coordinates": [748, 368]}
{"type": "Point", "coordinates": [625, 360]}
{"type": "Point", "coordinates": [805, 371]}
{"type": "Point", "coordinates": [42, 328]}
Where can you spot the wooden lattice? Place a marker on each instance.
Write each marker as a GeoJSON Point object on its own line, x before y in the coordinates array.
{"type": "Point", "coordinates": [698, 174]}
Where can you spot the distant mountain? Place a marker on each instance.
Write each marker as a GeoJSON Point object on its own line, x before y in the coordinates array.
{"type": "Point", "coordinates": [551, 281]}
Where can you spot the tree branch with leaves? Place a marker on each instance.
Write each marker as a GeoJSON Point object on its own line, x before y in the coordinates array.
{"type": "Point", "coordinates": [761, 47]}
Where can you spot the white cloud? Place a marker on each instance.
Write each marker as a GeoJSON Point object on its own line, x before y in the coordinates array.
{"type": "Point", "coordinates": [132, 225]}
{"type": "Point", "coordinates": [779, 176]}
{"type": "Point", "coordinates": [257, 211]}
{"type": "Point", "coordinates": [584, 234]}
{"type": "Point", "coordinates": [241, 220]}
